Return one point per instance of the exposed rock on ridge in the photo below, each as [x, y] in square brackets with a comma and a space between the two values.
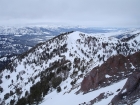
[130, 91]
[117, 67]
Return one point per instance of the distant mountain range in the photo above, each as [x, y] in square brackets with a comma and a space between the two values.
[76, 68]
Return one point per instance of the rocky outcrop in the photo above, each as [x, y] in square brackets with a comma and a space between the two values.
[100, 97]
[114, 69]
[130, 92]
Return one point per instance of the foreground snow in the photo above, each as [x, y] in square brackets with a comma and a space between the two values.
[71, 98]
[137, 103]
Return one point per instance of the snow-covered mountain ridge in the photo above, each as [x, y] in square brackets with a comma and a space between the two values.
[23, 30]
[58, 66]
[57, 29]
[44, 30]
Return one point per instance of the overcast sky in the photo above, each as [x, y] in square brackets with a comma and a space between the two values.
[96, 13]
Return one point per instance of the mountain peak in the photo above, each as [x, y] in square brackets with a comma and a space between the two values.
[60, 66]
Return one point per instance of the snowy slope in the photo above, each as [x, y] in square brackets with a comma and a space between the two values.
[76, 51]
[72, 99]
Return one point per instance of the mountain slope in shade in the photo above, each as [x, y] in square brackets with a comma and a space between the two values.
[57, 68]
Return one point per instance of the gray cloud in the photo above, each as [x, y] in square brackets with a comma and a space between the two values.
[120, 13]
